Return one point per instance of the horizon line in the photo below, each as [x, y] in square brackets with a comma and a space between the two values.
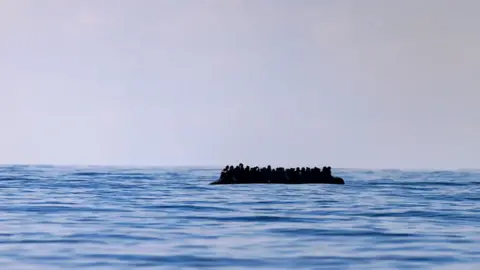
[222, 166]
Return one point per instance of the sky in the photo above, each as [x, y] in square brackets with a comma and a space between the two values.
[341, 83]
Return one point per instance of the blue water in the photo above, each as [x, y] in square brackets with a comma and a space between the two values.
[125, 218]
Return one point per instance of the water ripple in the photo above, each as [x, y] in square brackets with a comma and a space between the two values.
[124, 218]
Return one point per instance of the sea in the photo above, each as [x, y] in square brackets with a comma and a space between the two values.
[170, 218]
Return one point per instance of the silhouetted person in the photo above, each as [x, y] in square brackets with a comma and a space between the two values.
[246, 175]
[269, 174]
[329, 171]
[308, 175]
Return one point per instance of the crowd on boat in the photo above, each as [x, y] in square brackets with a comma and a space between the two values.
[247, 174]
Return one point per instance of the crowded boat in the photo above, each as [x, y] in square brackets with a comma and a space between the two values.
[241, 174]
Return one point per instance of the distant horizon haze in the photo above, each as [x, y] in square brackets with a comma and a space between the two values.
[219, 167]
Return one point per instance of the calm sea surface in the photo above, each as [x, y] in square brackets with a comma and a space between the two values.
[130, 218]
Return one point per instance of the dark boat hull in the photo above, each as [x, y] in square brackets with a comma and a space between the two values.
[332, 180]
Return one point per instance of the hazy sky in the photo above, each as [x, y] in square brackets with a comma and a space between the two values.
[371, 83]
